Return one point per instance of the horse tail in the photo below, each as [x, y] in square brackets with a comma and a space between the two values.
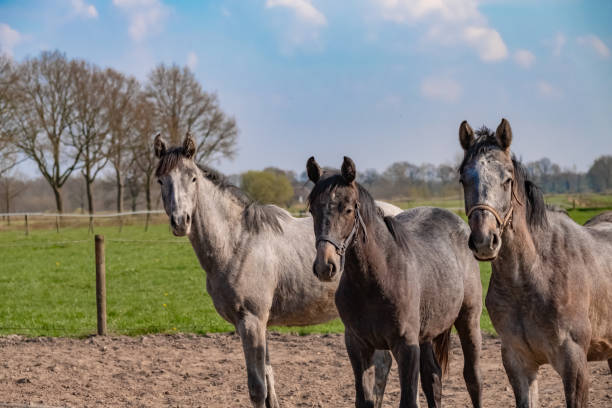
[441, 348]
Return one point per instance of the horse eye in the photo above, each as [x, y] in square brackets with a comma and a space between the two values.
[507, 182]
[194, 180]
[349, 210]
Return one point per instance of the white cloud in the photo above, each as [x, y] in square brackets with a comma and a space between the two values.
[83, 9]
[594, 42]
[524, 58]
[450, 22]
[487, 42]
[558, 44]
[192, 60]
[9, 38]
[146, 16]
[548, 90]
[303, 9]
[441, 89]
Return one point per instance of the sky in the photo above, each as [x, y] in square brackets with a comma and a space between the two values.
[377, 80]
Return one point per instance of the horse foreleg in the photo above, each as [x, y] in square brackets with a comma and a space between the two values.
[382, 365]
[361, 356]
[252, 332]
[271, 400]
[431, 375]
[407, 357]
[610, 365]
[571, 365]
[468, 328]
[522, 376]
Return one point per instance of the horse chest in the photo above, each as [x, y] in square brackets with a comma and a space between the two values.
[525, 323]
[371, 316]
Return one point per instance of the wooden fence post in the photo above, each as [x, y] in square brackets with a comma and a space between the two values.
[27, 225]
[57, 223]
[101, 284]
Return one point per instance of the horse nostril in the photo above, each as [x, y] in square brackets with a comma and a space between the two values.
[332, 268]
[188, 218]
[172, 221]
[471, 243]
[494, 241]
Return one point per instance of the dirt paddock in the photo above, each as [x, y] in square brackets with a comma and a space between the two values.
[208, 371]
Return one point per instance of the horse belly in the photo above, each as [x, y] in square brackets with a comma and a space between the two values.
[305, 307]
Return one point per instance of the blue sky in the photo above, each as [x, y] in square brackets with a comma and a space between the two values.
[377, 80]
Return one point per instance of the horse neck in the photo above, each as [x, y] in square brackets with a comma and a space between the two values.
[366, 261]
[216, 227]
[518, 253]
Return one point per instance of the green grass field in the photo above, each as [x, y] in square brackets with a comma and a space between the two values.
[154, 284]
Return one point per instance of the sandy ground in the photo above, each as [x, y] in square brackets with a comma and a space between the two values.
[208, 371]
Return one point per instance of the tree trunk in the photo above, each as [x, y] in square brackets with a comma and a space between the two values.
[90, 203]
[119, 181]
[8, 202]
[57, 191]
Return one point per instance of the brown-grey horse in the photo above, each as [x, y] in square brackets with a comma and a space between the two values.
[550, 296]
[406, 280]
[257, 258]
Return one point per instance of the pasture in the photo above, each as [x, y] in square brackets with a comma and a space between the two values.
[154, 281]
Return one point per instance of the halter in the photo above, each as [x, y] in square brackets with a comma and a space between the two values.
[503, 222]
[343, 246]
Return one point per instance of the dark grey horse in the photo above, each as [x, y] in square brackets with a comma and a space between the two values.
[406, 280]
[550, 296]
[257, 258]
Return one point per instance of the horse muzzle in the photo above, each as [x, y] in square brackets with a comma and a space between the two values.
[181, 225]
[485, 238]
[327, 263]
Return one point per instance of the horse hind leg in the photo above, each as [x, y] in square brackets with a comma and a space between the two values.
[271, 399]
[431, 376]
[468, 329]
[382, 361]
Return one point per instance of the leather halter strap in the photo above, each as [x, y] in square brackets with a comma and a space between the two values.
[503, 222]
[341, 247]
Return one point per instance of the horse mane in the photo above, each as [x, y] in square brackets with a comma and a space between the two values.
[368, 209]
[534, 199]
[256, 216]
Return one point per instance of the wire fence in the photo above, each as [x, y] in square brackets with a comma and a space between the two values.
[81, 251]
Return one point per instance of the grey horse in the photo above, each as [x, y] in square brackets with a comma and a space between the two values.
[257, 258]
[550, 296]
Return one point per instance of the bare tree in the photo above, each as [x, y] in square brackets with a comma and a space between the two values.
[182, 106]
[90, 125]
[11, 186]
[143, 154]
[42, 111]
[121, 93]
[8, 80]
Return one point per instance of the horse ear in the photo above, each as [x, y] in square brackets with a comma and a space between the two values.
[313, 170]
[348, 169]
[189, 146]
[159, 145]
[503, 134]
[466, 135]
